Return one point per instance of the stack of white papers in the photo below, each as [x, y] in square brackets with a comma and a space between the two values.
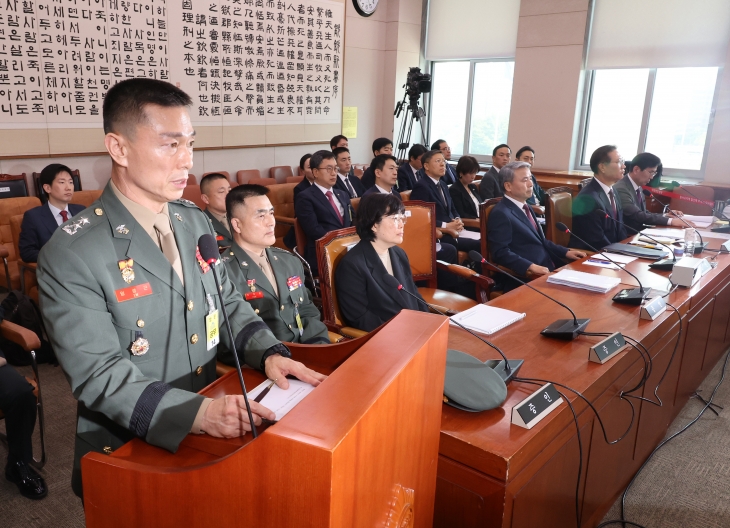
[677, 234]
[470, 234]
[584, 281]
[601, 260]
[700, 221]
[281, 401]
[486, 319]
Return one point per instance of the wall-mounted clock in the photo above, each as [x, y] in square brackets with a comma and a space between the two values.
[365, 7]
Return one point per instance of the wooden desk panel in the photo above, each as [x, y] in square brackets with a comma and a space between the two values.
[492, 473]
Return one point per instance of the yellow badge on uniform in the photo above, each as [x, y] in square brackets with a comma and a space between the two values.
[212, 330]
[125, 266]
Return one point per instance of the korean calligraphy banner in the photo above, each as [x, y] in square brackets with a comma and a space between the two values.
[260, 72]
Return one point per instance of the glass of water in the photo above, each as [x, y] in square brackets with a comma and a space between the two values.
[690, 238]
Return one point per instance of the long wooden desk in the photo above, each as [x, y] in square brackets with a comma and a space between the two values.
[495, 474]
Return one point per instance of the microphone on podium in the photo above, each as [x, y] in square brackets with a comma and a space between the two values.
[208, 247]
[560, 329]
[506, 369]
[664, 264]
[627, 296]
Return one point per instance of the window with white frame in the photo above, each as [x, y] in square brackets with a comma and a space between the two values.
[665, 111]
[470, 104]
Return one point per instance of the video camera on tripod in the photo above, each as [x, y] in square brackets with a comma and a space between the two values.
[417, 83]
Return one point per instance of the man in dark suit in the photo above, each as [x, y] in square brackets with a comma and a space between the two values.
[342, 141]
[213, 191]
[385, 169]
[380, 146]
[322, 208]
[412, 170]
[308, 179]
[629, 192]
[450, 176]
[588, 224]
[350, 184]
[433, 189]
[18, 404]
[527, 154]
[515, 239]
[491, 184]
[40, 222]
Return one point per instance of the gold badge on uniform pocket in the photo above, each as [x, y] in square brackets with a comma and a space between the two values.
[125, 266]
[140, 346]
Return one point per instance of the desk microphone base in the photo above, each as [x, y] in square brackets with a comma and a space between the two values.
[515, 365]
[664, 264]
[633, 296]
[565, 329]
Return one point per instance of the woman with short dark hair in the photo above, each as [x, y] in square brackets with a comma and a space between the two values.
[464, 193]
[365, 298]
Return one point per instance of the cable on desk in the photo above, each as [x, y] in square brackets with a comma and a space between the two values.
[707, 405]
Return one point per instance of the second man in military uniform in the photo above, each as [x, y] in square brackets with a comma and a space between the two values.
[269, 278]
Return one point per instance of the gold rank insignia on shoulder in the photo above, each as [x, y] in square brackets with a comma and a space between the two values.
[177, 215]
[122, 230]
[73, 227]
[125, 266]
[140, 346]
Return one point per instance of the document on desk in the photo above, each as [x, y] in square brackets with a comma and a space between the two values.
[486, 319]
[281, 401]
[601, 260]
[675, 234]
[714, 234]
[700, 221]
[584, 281]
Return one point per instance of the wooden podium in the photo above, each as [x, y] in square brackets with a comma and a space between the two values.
[360, 451]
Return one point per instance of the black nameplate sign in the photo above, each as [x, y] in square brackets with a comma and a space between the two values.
[653, 309]
[606, 349]
[530, 411]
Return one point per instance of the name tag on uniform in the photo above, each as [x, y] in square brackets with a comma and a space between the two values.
[253, 295]
[212, 331]
[133, 292]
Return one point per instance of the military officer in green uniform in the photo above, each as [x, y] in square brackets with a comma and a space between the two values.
[213, 191]
[270, 279]
[128, 302]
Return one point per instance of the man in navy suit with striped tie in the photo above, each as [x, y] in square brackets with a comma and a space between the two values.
[322, 208]
[40, 222]
[515, 239]
[590, 225]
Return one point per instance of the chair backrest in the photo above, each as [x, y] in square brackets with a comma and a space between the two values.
[15, 223]
[330, 249]
[555, 190]
[405, 195]
[354, 202]
[30, 277]
[40, 193]
[282, 198]
[263, 181]
[192, 180]
[584, 182]
[13, 186]
[558, 208]
[419, 240]
[358, 172]
[8, 208]
[485, 208]
[294, 179]
[86, 198]
[192, 193]
[700, 192]
[280, 173]
[243, 176]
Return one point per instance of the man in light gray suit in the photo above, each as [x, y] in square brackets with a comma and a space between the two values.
[629, 191]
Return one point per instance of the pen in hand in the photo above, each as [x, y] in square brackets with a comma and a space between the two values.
[264, 392]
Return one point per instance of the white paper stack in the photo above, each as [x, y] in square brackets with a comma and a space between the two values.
[602, 260]
[486, 319]
[584, 281]
[700, 221]
[676, 234]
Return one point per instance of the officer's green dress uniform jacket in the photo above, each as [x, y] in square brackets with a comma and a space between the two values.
[150, 396]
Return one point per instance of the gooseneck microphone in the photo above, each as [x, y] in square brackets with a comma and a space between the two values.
[209, 251]
[627, 296]
[506, 369]
[702, 246]
[648, 193]
[664, 264]
[560, 329]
